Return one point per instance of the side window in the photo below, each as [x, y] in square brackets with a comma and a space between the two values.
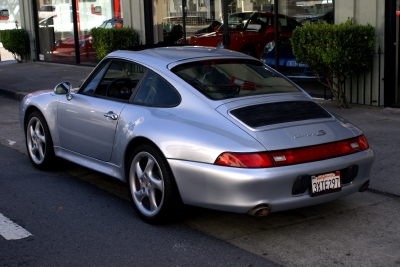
[90, 86]
[283, 24]
[292, 24]
[155, 91]
[115, 79]
[257, 23]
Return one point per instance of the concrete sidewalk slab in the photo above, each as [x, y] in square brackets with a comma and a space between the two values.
[17, 80]
[381, 126]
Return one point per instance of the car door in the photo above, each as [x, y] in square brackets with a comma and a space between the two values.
[87, 122]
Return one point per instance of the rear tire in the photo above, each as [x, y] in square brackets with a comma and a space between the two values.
[249, 51]
[152, 187]
[38, 142]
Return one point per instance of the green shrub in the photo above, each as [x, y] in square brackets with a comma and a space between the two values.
[17, 42]
[105, 41]
[334, 52]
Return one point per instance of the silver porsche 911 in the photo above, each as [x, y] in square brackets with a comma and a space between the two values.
[198, 126]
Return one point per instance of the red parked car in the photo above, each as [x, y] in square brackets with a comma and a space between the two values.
[248, 36]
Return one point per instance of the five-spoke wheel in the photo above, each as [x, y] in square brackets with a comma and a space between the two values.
[38, 141]
[152, 187]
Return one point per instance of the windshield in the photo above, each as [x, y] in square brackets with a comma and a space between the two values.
[111, 23]
[229, 78]
[237, 21]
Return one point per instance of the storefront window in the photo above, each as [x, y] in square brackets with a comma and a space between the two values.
[203, 16]
[57, 28]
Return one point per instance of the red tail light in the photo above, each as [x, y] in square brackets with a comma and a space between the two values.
[243, 160]
[293, 156]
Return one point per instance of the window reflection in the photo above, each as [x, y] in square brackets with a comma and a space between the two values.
[56, 27]
[202, 16]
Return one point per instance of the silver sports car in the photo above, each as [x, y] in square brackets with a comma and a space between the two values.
[199, 126]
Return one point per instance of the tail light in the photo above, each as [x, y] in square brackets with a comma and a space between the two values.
[293, 156]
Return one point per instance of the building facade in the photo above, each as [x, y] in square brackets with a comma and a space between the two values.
[59, 30]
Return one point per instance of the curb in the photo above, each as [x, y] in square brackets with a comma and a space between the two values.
[13, 95]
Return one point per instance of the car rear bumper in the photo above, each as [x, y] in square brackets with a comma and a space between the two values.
[240, 190]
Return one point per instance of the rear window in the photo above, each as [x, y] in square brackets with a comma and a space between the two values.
[222, 79]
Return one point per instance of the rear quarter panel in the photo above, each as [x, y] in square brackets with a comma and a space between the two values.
[192, 131]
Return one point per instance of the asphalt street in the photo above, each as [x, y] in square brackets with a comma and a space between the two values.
[72, 223]
[359, 230]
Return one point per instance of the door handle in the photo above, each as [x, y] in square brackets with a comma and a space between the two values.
[111, 115]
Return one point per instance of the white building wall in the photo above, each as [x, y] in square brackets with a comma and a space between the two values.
[365, 12]
[133, 14]
[15, 11]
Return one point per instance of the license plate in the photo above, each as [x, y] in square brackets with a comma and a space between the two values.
[325, 183]
[295, 64]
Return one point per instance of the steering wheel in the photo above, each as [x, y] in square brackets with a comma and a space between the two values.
[125, 81]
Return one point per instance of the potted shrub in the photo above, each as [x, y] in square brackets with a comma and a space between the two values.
[334, 52]
[105, 41]
[17, 42]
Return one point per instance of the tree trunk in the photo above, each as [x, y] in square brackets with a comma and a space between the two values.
[342, 101]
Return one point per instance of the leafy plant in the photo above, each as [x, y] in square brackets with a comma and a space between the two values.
[17, 42]
[105, 41]
[334, 52]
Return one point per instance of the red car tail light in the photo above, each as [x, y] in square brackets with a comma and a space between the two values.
[245, 160]
[293, 156]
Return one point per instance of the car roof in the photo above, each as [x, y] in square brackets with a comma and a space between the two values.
[177, 54]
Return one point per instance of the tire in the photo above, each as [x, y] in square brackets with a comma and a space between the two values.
[249, 51]
[38, 142]
[152, 187]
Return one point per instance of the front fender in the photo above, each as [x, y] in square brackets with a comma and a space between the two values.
[46, 102]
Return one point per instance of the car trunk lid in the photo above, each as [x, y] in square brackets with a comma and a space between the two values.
[290, 123]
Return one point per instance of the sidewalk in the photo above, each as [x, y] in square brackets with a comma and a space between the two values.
[380, 125]
[6, 57]
[19, 79]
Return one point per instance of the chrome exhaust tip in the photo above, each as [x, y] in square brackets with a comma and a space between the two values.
[260, 210]
[364, 186]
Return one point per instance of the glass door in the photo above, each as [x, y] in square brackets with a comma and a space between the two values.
[64, 27]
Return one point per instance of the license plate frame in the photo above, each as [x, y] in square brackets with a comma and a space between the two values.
[326, 183]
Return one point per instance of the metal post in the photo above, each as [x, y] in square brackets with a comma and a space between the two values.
[390, 52]
[184, 20]
[226, 38]
[75, 7]
[276, 3]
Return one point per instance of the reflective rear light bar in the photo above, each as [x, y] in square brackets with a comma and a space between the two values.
[293, 156]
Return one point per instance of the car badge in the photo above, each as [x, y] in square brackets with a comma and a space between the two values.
[320, 132]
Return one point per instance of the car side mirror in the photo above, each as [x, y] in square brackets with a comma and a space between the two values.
[63, 88]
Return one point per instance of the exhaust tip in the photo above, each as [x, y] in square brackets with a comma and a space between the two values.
[364, 186]
[260, 210]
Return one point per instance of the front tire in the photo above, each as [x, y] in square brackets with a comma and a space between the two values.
[38, 142]
[152, 187]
